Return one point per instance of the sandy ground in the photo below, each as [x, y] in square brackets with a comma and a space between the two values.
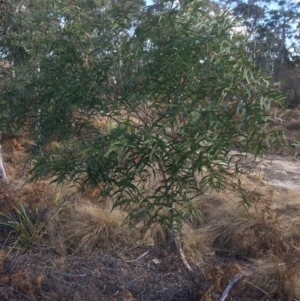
[281, 172]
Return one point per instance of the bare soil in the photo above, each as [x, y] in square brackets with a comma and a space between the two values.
[281, 172]
[98, 276]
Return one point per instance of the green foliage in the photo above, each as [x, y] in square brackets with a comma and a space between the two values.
[178, 85]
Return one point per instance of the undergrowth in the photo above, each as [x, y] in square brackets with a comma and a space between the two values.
[262, 241]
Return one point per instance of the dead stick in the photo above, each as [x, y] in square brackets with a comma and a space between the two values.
[72, 275]
[2, 168]
[141, 256]
[206, 294]
[230, 285]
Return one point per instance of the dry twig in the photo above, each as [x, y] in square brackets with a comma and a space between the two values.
[141, 256]
[230, 285]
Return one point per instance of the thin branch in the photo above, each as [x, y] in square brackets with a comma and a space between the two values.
[206, 294]
[72, 275]
[230, 285]
[141, 256]
[258, 288]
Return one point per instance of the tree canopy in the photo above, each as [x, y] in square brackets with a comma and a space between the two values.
[147, 102]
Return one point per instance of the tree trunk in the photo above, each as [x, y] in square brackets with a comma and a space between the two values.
[179, 249]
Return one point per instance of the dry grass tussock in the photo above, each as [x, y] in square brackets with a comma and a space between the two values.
[288, 217]
[275, 280]
[259, 232]
[267, 212]
[152, 235]
[249, 236]
[194, 246]
[266, 237]
[288, 121]
[83, 224]
[87, 226]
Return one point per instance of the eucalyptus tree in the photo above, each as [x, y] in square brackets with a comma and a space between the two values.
[149, 104]
[11, 53]
[271, 26]
[283, 21]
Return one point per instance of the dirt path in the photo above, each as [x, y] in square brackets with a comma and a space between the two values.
[281, 172]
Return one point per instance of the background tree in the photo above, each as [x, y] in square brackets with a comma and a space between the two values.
[271, 27]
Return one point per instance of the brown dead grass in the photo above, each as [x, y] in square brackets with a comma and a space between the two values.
[266, 236]
[288, 121]
[104, 124]
[250, 236]
[194, 246]
[275, 280]
[155, 234]
[265, 229]
[16, 284]
[264, 279]
[288, 217]
[90, 226]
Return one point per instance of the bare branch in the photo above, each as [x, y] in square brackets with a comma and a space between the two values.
[141, 256]
[230, 285]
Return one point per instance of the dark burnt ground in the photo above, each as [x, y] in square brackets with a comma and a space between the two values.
[157, 276]
[98, 276]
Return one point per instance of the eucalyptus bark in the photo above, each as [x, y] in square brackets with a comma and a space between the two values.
[179, 249]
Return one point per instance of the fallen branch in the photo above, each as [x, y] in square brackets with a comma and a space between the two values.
[2, 168]
[230, 285]
[141, 256]
[72, 275]
[206, 294]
